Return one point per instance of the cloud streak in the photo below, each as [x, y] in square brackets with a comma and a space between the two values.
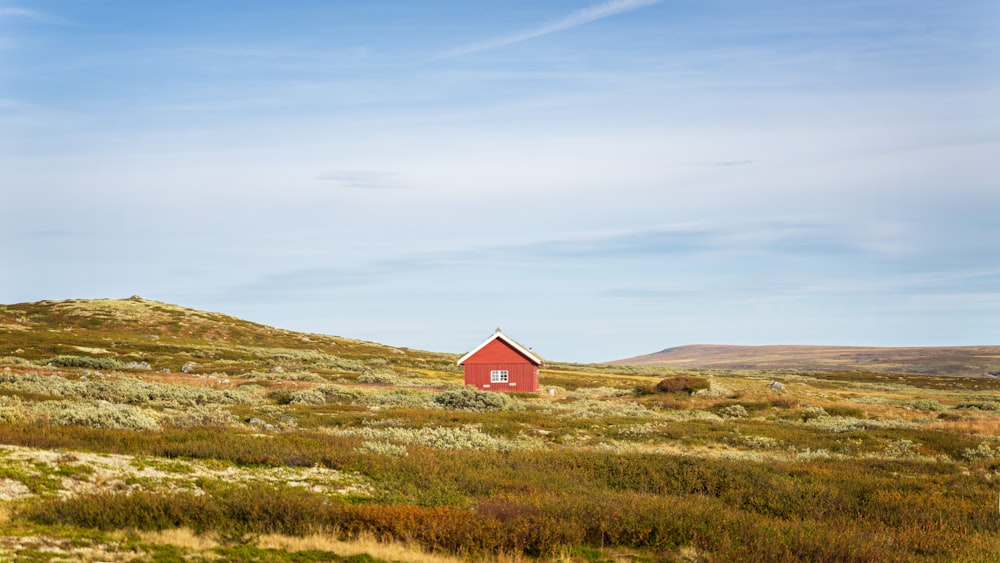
[575, 19]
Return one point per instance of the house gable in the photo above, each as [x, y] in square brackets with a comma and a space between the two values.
[500, 348]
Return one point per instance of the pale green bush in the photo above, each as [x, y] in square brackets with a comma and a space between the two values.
[925, 405]
[640, 430]
[13, 411]
[981, 452]
[401, 398]
[381, 377]
[850, 424]
[470, 399]
[339, 393]
[868, 400]
[128, 391]
[467, 437]
[95, 414]
[599, 392]
[382, 448]
[284, 376]
[307, 397]
[733, 411]
[588, 408]
[901, 449]
[813, 412]
[202, 415]
[758, 442]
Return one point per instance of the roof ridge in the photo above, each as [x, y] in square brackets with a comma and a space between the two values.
[498, 334]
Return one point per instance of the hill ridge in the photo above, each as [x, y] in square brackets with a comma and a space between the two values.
[975, 360]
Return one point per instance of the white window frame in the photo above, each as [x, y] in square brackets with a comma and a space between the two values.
[499, 376]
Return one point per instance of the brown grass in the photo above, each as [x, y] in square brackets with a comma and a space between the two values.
[976, 427]
[366, 543]
[186, 538]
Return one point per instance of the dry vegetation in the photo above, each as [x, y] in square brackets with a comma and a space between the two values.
[139, 431]
[943, 360]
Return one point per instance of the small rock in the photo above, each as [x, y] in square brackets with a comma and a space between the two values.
[277, 369]
[138, 365]
[189, 367]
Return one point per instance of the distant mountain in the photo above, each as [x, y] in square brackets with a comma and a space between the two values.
[956, 360]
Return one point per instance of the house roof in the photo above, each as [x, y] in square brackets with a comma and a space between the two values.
[501, 336]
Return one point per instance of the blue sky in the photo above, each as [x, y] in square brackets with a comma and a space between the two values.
[600, 179]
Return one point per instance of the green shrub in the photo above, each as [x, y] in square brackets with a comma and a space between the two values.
[470, 399]
[846, 411]
[306, 397]
[925, 405]
[983, 451]
[85, 362]
[339, 393]
[401, 399]
[125, 390]
[733, 411]
[201, 415]
[811, 413]
[379, 377]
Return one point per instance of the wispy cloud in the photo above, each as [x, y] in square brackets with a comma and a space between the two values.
[725, 163]
[27, 14]
[362, 179]
[18, 13]
[575, 19]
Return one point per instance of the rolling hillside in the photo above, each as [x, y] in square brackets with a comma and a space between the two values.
[965, 361]
[134, 430]
[162, 337]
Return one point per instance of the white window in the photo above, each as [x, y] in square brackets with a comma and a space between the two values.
[499, 375]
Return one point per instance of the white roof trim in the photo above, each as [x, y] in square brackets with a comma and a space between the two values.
[527, 353]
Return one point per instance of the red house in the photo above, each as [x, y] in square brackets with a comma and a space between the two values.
[500, 364]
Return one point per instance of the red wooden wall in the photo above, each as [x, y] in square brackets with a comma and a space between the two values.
[522, 372]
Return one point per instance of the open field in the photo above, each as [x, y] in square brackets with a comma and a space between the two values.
[139, 431]
[955, 360]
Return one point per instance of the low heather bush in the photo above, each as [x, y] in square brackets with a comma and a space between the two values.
[683, 383]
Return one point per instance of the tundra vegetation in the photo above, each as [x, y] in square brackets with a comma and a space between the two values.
[132, 430]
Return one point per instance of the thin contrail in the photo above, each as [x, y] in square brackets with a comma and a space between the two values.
[577, 18]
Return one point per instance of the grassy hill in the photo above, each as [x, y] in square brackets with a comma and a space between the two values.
[958, 360]
[133, 430]
[167, 336]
